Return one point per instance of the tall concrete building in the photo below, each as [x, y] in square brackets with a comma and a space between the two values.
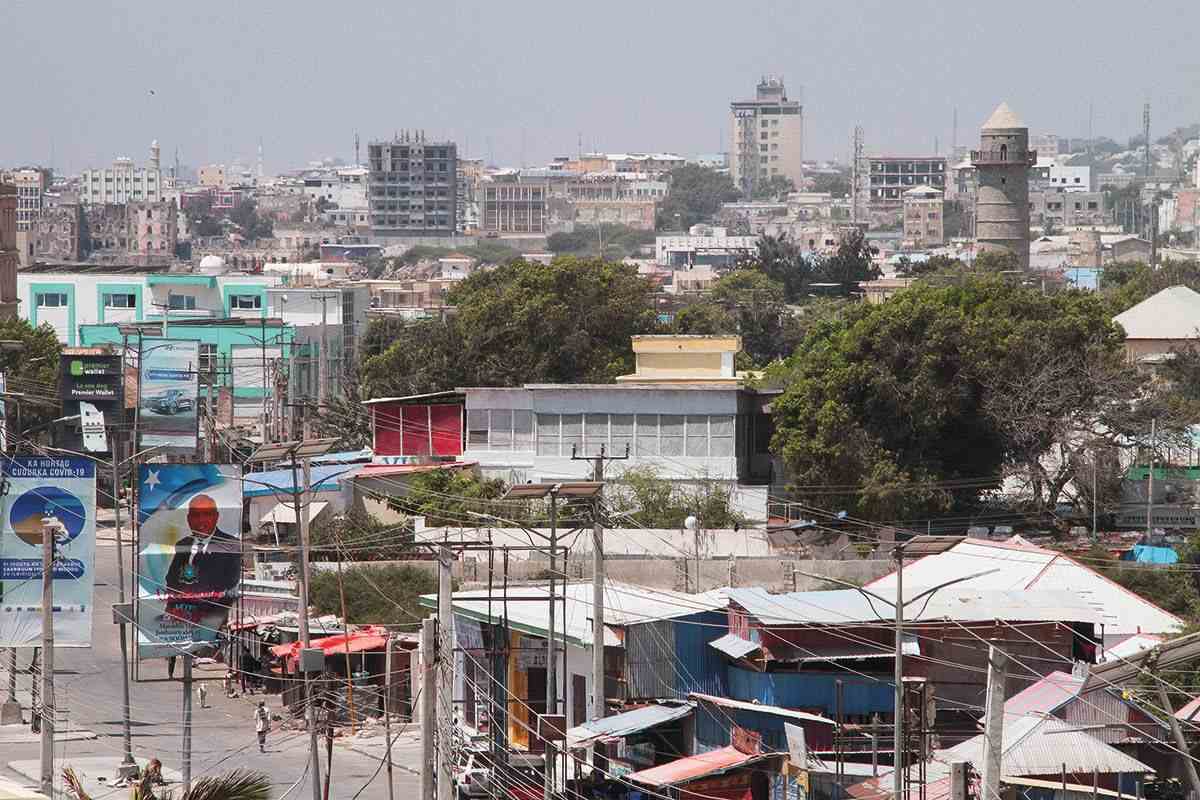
[1002, 165]
[412, 187]
[766, 137]
[123, 182]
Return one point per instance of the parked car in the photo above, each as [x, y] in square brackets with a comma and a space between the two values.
[171, 401]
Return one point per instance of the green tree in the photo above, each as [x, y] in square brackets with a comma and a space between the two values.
[1172, 589]
[695, 195]
[912, 406]
[451, 497]
[567, 322]
[756, 305]
[774, 188]
[650, 501]
[358, 536]
[31, 367]
[252, 224]
[835, 183]
[381, 594]
[781, 259]
[996, 261]
[853, 263]
[1128, 283]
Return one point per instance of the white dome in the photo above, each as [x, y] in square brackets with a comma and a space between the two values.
[212, 263]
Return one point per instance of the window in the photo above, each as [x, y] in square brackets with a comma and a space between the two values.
[646, 435]
[720, 437]
[522, 430]
[120, 300]
[595, 434]
[697, 436]
[181, 302]
[671, 427]
[208, 357]
[547, 434]
[51, 299]
[245, 301]
[477, 429]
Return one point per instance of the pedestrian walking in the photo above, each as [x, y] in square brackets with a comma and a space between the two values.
[202, 690]
[262, 724]
[230, 684]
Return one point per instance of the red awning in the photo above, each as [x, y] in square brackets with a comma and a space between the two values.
[373, 637]
[689, 769]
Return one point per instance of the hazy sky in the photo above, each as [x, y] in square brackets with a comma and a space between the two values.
[521, 80]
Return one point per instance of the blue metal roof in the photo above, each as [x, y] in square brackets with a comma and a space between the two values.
[278, 482]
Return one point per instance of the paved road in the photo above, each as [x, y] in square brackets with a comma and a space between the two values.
[88, 681]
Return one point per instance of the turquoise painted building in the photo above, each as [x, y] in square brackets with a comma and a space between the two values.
[243, 355]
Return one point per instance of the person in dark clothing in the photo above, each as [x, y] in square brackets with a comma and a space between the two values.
[206, 568]
[210, 560]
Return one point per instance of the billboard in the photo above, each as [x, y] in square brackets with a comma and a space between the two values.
[91, 385]
[169, 385]
[63, 490]
[189, 555]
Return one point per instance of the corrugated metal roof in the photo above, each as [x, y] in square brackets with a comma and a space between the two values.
[687, 769]
[953, 602]
[774, 711]
[733, 645]
[628, 722]
[1127, 648]
[1042, 745]
[278, 482]
[624, 604]
[1175, 651]
[1020, 566]
[1045, 696]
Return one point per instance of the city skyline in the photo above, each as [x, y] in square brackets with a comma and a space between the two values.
[212, 84]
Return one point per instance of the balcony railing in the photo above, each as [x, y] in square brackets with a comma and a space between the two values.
[990, 157]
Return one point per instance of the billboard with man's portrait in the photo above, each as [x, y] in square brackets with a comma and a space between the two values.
[189, 556]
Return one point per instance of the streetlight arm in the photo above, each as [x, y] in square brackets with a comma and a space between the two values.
[950, 583]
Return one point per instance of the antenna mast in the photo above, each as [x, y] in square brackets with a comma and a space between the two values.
[856, 176]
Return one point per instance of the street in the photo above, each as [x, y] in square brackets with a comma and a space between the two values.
[88, 690]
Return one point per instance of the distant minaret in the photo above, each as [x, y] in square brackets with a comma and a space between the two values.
[155, 155]
[1002, 165]
[260, 159]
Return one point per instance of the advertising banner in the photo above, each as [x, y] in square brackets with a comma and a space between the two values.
[170, 384]
[63, 491]
[189, 556]
[93, 388]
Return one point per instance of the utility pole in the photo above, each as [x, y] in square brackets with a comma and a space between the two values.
[898, 747]
[1177, 734]
[445, 678]
[551, 679]
[1150, 479]
[310, 713]
[346, 620]
[187, 722]
[428, 708]
[599, 698]
[387, 713]
[323, 356]
[128, 767]
[47, 711]
[993, 722]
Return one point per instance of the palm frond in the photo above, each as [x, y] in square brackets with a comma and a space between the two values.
[73, 784]
[240, 784]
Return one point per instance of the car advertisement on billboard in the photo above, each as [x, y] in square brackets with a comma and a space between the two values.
[58, 494]
[189, 556]
[169, 388]
[91, 384]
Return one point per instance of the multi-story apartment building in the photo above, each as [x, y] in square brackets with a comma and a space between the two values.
[1049, 173]
[470, 174]
[123, 182]
[32, 183]
[412, 187]
[891, 176]
[8, 250]
[153, 227]
[767, 137]
[1066, 209]
[923, 211]
[515, 203]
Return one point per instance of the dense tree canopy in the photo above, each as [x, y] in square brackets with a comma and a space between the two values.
[919, 404]
[695, 195]
[32, 369]
[570, 321]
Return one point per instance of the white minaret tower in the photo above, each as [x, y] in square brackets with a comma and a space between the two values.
[260, 159]
[155, 154]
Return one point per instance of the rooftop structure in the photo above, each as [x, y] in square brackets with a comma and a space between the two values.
[767, 137]
[1002, 165]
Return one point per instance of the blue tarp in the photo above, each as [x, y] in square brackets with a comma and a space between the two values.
[1146, 554]
[279, 481]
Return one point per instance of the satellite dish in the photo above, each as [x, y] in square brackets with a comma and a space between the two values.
[691, 522]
